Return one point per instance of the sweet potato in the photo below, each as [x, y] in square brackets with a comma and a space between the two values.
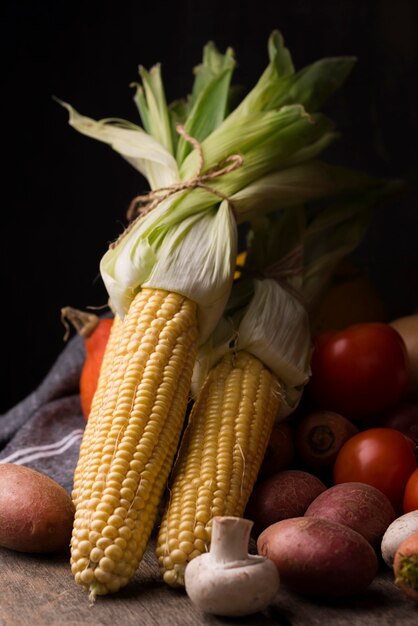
[356, 505]
[280, 496]
[316, 557]
[36, 513]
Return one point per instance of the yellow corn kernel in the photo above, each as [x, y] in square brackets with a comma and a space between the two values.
[241, 257]
[136, 429]
[219, 458]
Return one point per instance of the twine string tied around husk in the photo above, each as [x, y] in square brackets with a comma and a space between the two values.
[144, 203]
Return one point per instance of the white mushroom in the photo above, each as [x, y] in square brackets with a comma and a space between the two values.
[227, 580]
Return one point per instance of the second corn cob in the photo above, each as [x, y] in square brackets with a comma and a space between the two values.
[219, 458]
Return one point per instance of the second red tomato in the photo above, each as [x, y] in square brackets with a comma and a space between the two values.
[359, 371]
[381, 457]
[410, 500]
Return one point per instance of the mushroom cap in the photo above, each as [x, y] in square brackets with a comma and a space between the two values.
[231, 589]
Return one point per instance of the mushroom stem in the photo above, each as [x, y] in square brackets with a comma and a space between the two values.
[230, 537]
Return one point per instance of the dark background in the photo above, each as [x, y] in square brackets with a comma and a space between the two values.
[64, 196]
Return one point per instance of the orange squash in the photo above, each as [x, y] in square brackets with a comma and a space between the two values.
[350, 299]
[96, 333]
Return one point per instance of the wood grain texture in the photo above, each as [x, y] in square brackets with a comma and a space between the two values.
[40, 591]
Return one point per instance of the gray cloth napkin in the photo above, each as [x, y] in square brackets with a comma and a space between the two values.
[44, 430]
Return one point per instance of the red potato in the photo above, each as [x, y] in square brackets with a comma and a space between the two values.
[405, 566]
[316, 557]
[361, 507]
[319, 437]
[36, 513]
[283, 495]
[280, 450]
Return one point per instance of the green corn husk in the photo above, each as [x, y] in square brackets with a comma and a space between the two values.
[188, 242]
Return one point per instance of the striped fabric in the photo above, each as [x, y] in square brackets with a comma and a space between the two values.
[23, 456]
[44, 430]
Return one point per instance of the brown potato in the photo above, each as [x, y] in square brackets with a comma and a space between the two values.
[280, 496]
[280, 450]
[36, 513]
[316, 557]
[357, 505]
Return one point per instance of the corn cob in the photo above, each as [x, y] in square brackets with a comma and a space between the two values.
[128, 449]
[219, 458]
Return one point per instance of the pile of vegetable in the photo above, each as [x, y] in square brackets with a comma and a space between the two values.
[257, 442]
[298, 433]
[366, 456]
[242, 347]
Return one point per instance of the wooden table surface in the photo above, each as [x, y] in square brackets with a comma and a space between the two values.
[40, 591]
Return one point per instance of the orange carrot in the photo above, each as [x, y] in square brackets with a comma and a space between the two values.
[405, 566]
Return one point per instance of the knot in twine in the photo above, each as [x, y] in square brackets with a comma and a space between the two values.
[282, 271]
[144, 203]
[289, 266]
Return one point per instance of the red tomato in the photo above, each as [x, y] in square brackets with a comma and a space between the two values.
[359, 371]
[410, 499]
[381, 457]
